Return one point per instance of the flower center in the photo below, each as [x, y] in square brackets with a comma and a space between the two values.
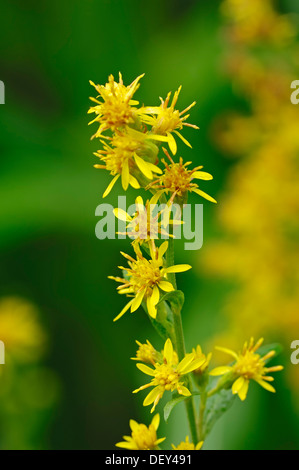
[167, 376]
[146, 274]
[249, 365]
[176, 178]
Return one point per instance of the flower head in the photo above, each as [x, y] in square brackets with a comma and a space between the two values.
[147, 353]
[166, 119]
[115, 111]
[186, 445]
[127, 155]
[144, 225]
[146, 278]
[249, 365]
[142, 437]
[20, 331]
[168, 375]
[198, 354]
[177, 179]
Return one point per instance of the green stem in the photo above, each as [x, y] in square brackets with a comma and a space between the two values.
[202, 407]
[180, 344]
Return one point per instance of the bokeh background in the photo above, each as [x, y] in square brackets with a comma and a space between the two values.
[68, 379]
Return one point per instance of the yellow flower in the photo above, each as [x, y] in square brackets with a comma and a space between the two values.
[145, 278]
[198, 354]
[167, 376]
[142, 437]
[147, 353]
[165, 120]
[144, 225]
[20, 331]
[248, 366]
[116, 109]
[127, 156]
[178, 180]
[186, 445]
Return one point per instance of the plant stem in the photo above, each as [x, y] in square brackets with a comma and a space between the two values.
[202, 407]
[180, 345]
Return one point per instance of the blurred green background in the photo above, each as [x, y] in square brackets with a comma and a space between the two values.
[49, 191]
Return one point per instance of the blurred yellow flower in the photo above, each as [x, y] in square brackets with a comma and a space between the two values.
[142, 437]
[248, 366]
[20, 331]
[167, 376]
[145, 278]
[186, 445]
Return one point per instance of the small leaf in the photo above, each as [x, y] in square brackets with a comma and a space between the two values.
[216, 406]
[175, 401]
[176, 299]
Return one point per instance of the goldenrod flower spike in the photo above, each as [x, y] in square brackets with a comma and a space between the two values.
[116, 109]
[142, 437]
[178, 180]
[248, 366]
[124, 157]
[165, 120]
[187, 445]
[145, 278]
[168, 376]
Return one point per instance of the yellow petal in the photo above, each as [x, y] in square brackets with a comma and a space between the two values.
[237, 385]
[202, 194]
[146, 370]
[125, 175]
[122, 215]
[172, 143]
[151, 397]
[227, 351]
[143, 167]
[266, 386]
[202, 175]
[137, 301]
[156, 421]
[124, 310]
[178, 268]
[243, 391]
[183, 139]
[166, 286]
[162, 249]
[184, 391]
[110, 186]
[133, 182]
[220, 371]
[152, 311]
[168, 351]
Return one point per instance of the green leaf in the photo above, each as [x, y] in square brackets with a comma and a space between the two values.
[216, 406]
[175, 401]
[176, 299]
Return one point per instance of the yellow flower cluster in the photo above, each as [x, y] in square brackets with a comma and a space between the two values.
[259, 214]
[129, 146]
